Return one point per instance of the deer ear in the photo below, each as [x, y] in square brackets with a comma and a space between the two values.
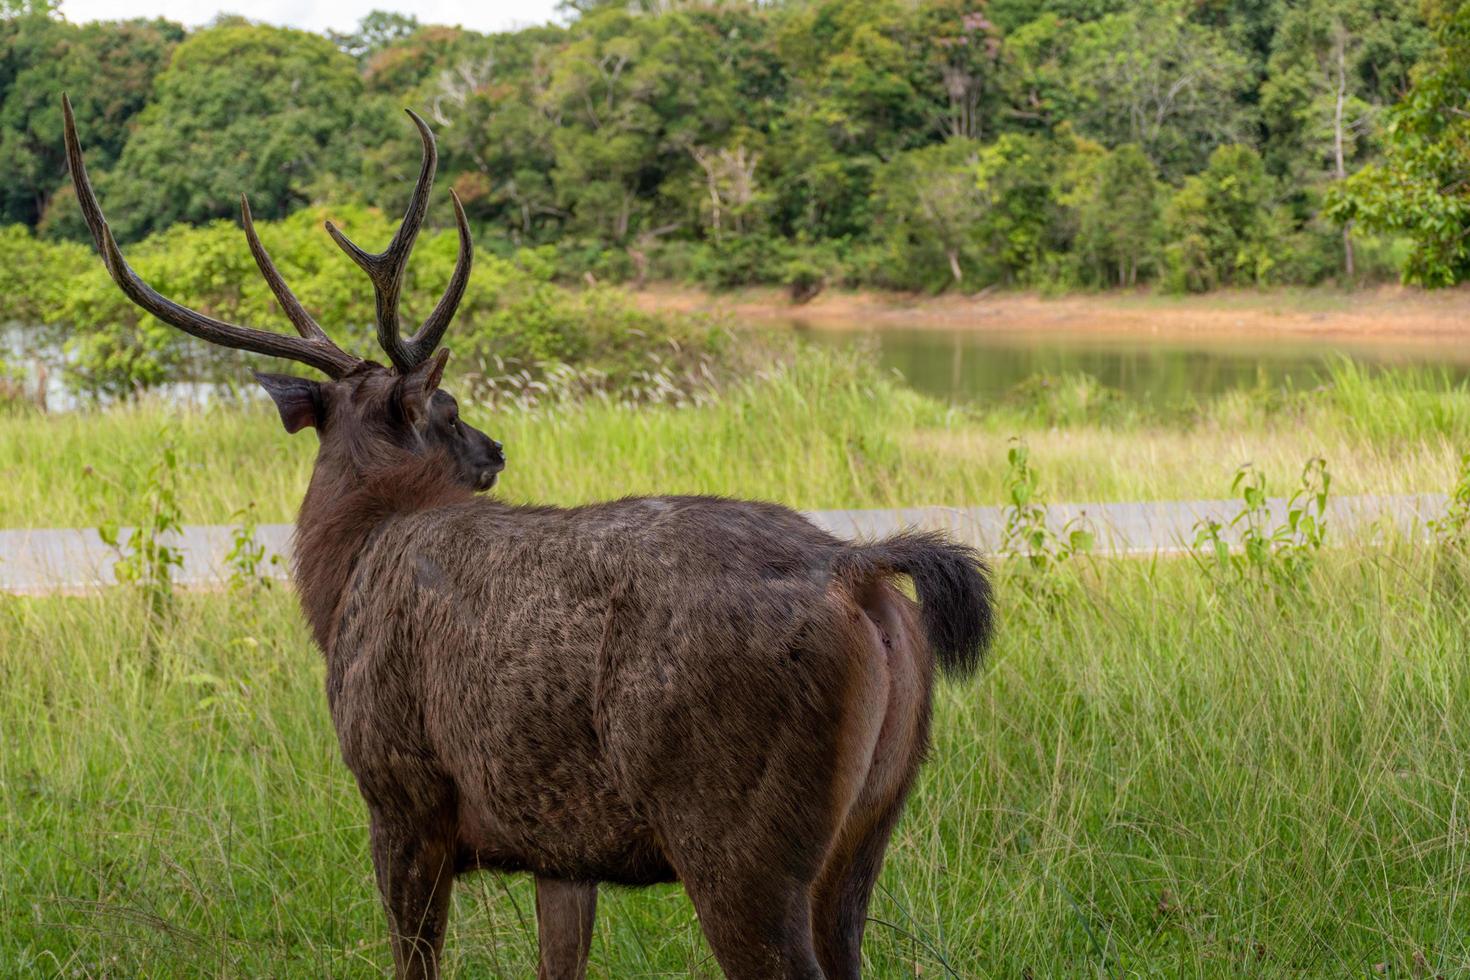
[418, 386]
[299, 400]
[433, 370]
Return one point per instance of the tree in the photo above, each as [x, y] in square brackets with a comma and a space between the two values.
[1422, 187]
[1024, 179]
[1248, 26]
[857, 98]
[628, 97]
[485, 98]
[1119, 216]
[730, 180]
[17, 9]
[108, 68]
[241, 107]
[1336, 62]
[1037, 85]
[1151, 77]
[378, 30]
[1012, 15]
[734, 141]
[1218, 225]
[962, 48]
[929, 205]
[404, 65]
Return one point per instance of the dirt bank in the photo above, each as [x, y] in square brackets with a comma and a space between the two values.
[1388, 313]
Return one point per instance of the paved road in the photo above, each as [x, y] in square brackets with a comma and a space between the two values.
[76, 560]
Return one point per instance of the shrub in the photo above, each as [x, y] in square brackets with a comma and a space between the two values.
[740, 260]
[512, 313]
[1069, 399]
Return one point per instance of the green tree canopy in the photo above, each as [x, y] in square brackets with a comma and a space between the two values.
[1217, 224]
[930, 206]
[1335, 65]
[818, 141]
[1152, 77]
[108, 69]
[1422, 187]
[240, 108]
[1119, 216]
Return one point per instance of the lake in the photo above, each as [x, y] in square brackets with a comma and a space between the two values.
[960, 364]
[968, 365]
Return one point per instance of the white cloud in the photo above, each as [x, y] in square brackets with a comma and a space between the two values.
[319, 15]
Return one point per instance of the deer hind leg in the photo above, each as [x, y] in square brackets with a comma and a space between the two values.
[415, 872]
[564, 916]
[840, 897]
[758, 924]
[753, 889]
[844, 888]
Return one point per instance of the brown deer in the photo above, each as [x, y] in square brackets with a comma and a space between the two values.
[689, 689]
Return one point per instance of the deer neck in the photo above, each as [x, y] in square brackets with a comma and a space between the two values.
[344, 506]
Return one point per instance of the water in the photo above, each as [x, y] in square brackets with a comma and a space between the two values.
[45, 380]
[970, 365]
[983, 365]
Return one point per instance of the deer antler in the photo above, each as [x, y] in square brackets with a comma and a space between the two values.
[312, 347]
[386, 268]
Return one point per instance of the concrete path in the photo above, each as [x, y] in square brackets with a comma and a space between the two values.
[76, 560]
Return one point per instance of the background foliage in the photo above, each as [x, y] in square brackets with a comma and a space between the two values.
[946, 144]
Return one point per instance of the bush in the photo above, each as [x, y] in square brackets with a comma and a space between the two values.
[35, 275]
[811, 268]
[513, 319]
[736, 260]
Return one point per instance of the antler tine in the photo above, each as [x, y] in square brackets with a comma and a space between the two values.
[295, 312]
[421, 345]
[386, 268]
[318, 352]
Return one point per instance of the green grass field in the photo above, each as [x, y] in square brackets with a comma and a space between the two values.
[1162, 771]
[1156, 776]
[824, 431]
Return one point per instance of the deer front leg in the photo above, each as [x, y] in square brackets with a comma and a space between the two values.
[564, 914]
[415, 870]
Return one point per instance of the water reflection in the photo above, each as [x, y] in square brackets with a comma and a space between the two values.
[979, 365]
[967, 365]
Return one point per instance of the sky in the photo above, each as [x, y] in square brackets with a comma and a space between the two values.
[320, 15]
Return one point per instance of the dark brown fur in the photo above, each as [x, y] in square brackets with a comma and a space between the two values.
[657, 689]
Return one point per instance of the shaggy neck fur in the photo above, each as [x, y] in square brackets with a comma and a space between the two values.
[349, 497]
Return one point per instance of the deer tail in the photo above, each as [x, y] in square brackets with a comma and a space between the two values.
[956, 607]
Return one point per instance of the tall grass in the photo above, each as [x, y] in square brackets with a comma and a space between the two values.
[1162, 773]
[1393, 406]
[822, 431]
[1159, 776]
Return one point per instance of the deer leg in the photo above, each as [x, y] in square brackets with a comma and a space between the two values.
[845, 884]
[759, 928]
[415, 871]
[564, 914]
[840, 898]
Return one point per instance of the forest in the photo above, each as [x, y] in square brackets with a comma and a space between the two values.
[943, 144]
